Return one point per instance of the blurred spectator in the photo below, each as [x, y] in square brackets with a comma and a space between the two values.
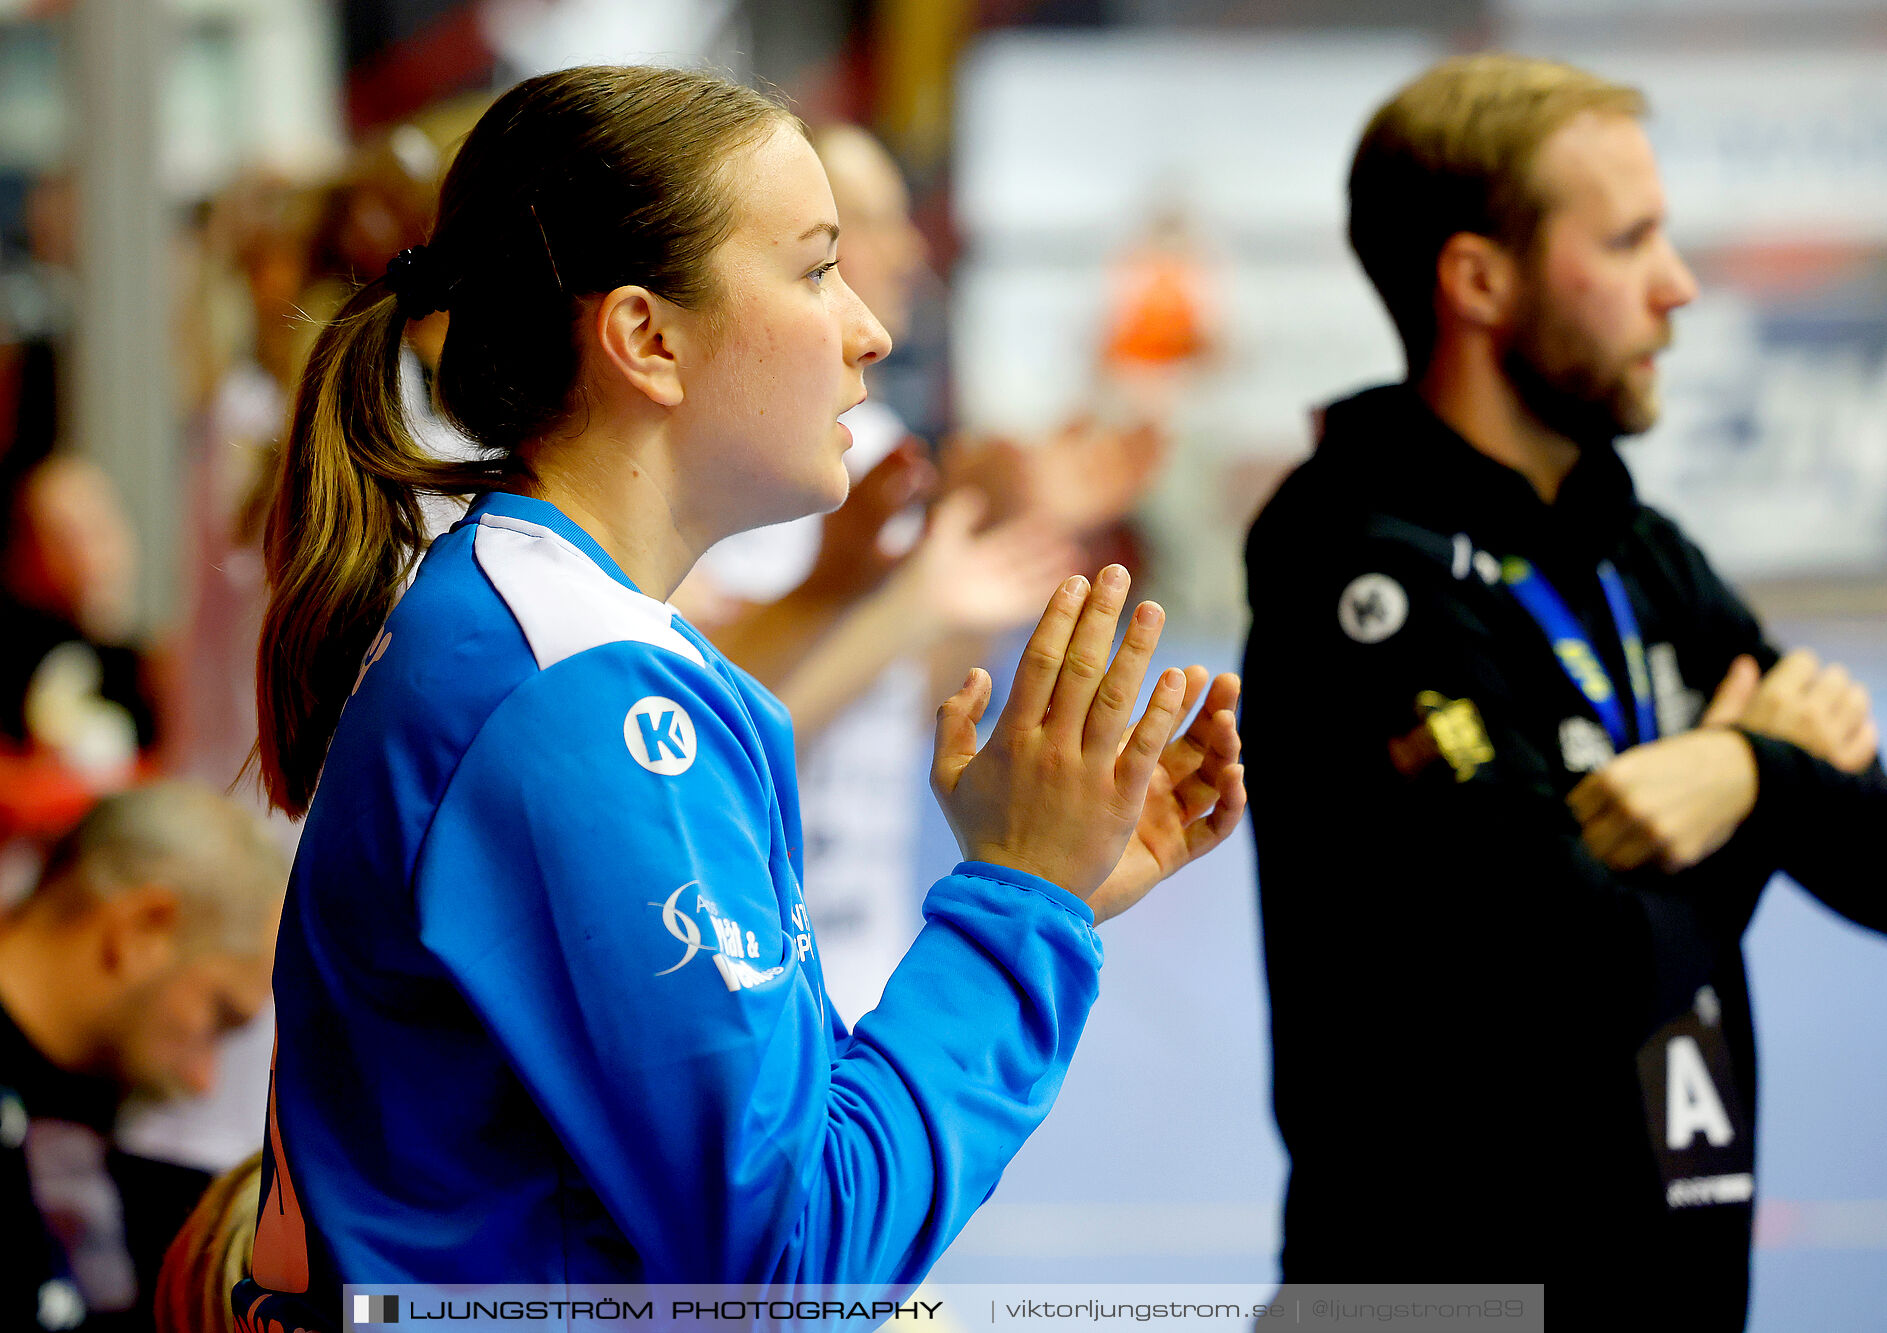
[211, 1254]
[148, 936]
[76, 705]
[256, 240]
[883, 254]
[35, 313]
[29, 398]
[382, 204]
[69, 549]
[295, 251]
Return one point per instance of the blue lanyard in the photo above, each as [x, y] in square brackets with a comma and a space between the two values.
[1576, 656]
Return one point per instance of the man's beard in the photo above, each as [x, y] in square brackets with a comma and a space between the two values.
[1570, 394]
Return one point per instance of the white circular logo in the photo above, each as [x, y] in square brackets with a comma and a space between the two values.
[1372, 608]
[660, 735]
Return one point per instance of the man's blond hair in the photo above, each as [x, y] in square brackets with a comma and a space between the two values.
[1453, 152]
[214, 854]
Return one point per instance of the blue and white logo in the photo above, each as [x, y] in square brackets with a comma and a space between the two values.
[731, 946]
[681, 925]
[660, 735]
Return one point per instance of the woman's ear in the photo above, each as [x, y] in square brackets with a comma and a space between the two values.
[638, 332]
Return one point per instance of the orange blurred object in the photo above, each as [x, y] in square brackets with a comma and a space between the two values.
[1161, 319]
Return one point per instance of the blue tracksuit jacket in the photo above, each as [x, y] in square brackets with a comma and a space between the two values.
[549, 1006]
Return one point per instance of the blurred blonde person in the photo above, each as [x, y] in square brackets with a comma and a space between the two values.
[211, 1254]
[79, 706]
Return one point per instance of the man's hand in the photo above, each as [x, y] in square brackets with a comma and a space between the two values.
[1819, 708]
[1670, 803]
[1674, 802]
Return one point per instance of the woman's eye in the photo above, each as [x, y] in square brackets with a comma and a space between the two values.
[818, 275]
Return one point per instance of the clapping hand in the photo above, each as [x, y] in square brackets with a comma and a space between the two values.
[1069, 786]
[1077, 479]
[963, 578]
[854, 556]
[1193, 802]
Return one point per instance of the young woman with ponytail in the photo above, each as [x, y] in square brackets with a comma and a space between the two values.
[548, 1008]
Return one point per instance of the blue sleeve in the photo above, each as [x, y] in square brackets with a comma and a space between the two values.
[629, 928]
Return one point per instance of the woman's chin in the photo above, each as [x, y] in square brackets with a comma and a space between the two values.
[836, 495]
[821, 497]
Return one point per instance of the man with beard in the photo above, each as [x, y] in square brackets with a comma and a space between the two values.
[1512, 1035]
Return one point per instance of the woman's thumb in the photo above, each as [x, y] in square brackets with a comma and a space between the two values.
[956, 730]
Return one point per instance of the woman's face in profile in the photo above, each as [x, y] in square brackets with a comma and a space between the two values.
[785, 347]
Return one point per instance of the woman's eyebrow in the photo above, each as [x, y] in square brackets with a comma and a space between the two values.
[831, 229]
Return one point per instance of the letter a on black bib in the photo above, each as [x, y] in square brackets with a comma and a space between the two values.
[1698, 1129]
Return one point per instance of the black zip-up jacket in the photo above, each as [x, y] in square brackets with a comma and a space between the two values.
[1460, 993]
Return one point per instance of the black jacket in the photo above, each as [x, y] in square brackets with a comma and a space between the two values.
[142, 1202]
[1459, 991]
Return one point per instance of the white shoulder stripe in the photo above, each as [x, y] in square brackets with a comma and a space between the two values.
[565, 603]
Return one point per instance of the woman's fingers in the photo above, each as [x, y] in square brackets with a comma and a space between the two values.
[1208, 730]
[1134, 768]
[1112, 709]
[1196, 763]
[1224, 696]
[1196, 678]
[1042, 657]
[1202, 835]
[1216, 727]
[1085, 661]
